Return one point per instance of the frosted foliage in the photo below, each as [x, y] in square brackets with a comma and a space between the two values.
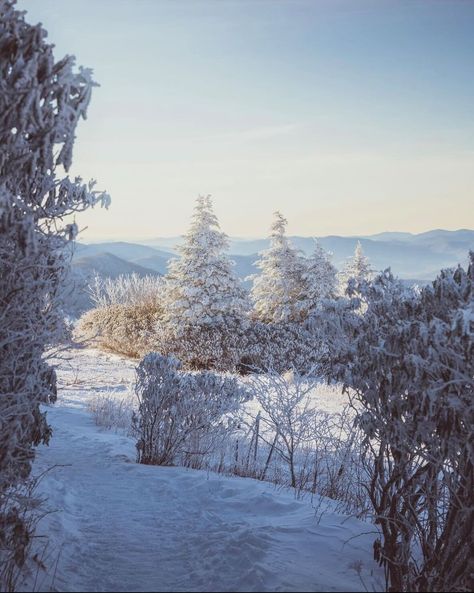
[128, 290]
[216, 346]
[409, 362]
[278, 291]
[128, 309]
[201, 287]
[240, 345]
[41, 102]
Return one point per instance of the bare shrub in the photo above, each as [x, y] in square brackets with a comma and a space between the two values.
[320, 450]
[112, 411]
[286, 402]
[128, 310]
[125, 329]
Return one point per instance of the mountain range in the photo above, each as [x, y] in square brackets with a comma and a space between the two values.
[415, 258]
[418, 256]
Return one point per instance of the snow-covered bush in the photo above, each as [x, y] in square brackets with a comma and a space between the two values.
[410, 367]
[239, 345]
[41, 102]
[181, 414]
[334, 326]
[281, 347]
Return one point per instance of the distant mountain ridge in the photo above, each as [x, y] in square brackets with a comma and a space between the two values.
[412, 257]
[91, 260]
[418, 256]
[108, 264]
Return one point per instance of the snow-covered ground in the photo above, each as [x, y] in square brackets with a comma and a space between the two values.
[122, 526]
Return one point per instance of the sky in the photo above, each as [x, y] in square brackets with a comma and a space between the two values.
[351, 117]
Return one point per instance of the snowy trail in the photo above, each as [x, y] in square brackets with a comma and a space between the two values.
[125, 527]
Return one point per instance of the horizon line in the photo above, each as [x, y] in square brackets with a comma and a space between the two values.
[122, 239]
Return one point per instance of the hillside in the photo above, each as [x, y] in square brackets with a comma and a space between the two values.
[89, 261]
[107, 264]
[120, 249]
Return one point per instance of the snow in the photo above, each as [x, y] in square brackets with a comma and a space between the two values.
[122, 526]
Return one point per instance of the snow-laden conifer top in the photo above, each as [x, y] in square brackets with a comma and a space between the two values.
[201, 285]
[278, 291]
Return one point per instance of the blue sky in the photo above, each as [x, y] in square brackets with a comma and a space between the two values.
[350, 116]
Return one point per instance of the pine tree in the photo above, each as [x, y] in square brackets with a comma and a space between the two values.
[278, 292]
[357, 268]
[201, 287]
[320, 279]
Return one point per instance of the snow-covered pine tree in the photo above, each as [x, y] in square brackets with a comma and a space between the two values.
[204, 304]
[201, 286]
[41, 102]
[278, 291]
[357, 268]
[320, 279]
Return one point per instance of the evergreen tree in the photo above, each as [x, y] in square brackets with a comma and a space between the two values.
[320, 279]
[357, 268]
[201, 287]
[278, 292]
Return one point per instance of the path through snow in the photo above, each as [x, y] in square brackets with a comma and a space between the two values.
[120, 526]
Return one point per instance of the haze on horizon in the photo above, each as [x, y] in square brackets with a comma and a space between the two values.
[351, 118]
